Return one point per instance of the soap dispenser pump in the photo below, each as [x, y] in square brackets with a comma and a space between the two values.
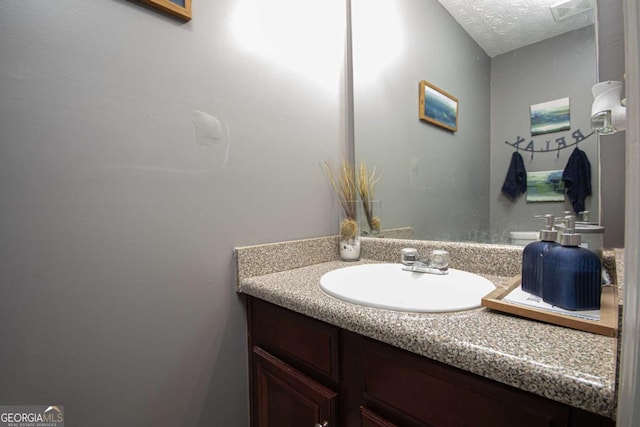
[533, 255]
[572, 275]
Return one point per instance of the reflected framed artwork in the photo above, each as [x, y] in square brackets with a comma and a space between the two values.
[438, 107]
[179, 8]
[551, 116]
[545, 186]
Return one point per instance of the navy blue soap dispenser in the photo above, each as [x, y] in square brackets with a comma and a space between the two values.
[533, 255]
[572, 275]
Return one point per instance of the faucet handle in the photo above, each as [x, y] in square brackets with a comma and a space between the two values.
[439, 259]
[408, 256]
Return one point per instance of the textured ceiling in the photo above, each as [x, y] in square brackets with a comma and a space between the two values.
[500, 26]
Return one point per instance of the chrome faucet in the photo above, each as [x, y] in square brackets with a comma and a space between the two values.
[437, 264]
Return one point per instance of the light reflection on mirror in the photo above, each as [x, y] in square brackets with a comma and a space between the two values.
[266, 29]
[381, 27]
[447, 185]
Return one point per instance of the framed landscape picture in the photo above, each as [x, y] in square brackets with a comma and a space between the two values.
[179, 8]
[438, 107]
[551, 116]
[545, 186]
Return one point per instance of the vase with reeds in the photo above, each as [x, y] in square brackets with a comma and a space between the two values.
[350, 231]
[342, 180]
[367, 180]
[370, 218]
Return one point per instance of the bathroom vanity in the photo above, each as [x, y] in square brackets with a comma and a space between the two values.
[305, 372]
[315, 359]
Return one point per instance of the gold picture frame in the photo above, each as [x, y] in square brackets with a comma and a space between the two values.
[179, 8]
[438, 107]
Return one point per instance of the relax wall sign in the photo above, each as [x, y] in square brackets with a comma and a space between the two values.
[560, 143]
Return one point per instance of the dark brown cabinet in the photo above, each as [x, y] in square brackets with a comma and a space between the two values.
[305, 372]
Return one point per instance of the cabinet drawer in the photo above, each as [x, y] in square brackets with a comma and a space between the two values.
[303, 342]
[420, 390]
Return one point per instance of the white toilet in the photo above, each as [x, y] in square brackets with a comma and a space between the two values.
[523, 238]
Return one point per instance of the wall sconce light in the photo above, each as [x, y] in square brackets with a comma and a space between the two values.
[608, 111]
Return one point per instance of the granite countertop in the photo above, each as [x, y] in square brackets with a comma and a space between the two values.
[569, 366]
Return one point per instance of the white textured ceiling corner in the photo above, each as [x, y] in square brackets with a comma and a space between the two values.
[500, 26]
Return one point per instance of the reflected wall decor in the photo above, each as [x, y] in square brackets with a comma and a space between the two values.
[438, 107]
[545, 186]
[179, 8]
[551, 116]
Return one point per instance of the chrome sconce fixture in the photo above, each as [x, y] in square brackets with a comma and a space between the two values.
[608, 111]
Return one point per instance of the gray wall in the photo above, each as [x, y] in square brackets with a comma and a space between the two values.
[612, 148]
[120, 217]
[434, 180]
[564, 66]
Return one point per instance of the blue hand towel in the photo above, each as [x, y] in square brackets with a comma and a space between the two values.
[516, 181]
[577, 179]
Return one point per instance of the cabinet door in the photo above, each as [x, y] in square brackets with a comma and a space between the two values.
[307, 344]
[283, 397]
[424, 392]
[370, 419]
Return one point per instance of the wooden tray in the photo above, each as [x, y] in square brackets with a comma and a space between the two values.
[607, 325]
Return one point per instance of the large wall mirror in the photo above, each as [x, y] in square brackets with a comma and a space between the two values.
[447, 185]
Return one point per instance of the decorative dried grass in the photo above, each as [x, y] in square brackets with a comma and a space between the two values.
[366, 186]
[342, 180]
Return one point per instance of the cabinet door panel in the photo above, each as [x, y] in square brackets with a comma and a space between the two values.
[438, 395]
[370, 419]
[298, 339]
[286, 398]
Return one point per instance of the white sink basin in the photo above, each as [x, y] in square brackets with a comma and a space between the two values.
[388, 286]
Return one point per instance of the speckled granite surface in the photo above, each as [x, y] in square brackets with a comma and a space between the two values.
[273, 257]
[616, 257]
[569, 366]
[397, 233]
